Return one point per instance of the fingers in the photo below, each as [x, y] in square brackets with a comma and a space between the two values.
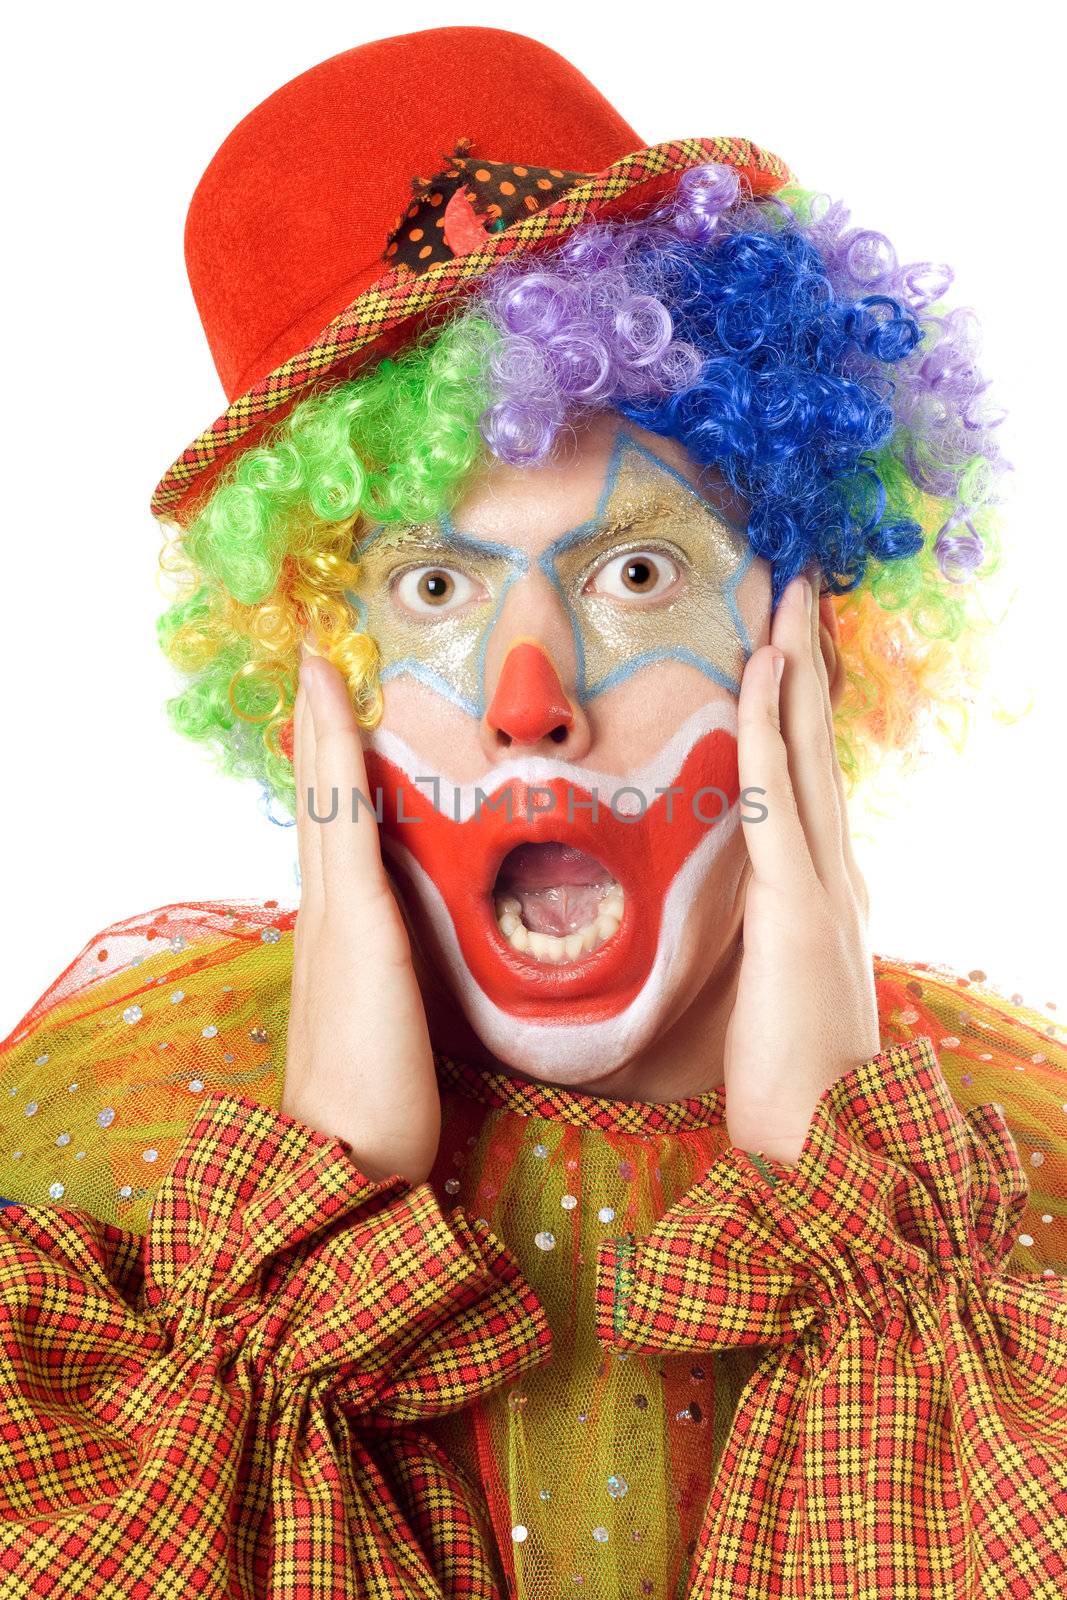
[859, 888]
[296, 1049]
[808, 734]
[348, 849]
[776, 842]
[308, 837]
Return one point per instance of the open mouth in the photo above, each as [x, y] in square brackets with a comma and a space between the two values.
[556, 903]
[523, 903]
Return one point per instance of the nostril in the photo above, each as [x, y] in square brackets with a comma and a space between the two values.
[529, 703]
[503, 739]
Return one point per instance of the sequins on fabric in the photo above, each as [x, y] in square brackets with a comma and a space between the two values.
[603, 1460]
[595, 1465]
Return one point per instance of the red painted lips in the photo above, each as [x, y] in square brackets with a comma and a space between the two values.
[643, 851]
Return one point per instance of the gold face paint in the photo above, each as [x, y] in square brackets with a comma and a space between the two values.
[652, 576]
[441, 640]
[685, 609]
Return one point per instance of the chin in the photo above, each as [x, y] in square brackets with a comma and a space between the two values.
[554, 899]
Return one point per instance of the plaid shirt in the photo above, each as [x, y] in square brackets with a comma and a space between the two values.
[242, 1400]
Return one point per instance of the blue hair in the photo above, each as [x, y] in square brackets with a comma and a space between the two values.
[779, 407]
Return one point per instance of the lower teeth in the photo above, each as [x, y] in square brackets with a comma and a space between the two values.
[552, 948]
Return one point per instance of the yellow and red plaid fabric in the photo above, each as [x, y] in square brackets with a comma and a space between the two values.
[906, 1434]
[253, 1372]
[226, 1406]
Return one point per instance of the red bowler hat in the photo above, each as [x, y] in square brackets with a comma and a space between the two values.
[349, 208]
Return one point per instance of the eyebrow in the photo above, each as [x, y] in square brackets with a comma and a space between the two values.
[625, 520]
[443, 535]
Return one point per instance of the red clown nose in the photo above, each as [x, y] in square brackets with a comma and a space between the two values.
[529, 701]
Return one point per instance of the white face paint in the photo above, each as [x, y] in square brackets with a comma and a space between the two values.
[558, 754]
[554, 1035]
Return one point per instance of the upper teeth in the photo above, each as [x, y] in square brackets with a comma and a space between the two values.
[552, 947]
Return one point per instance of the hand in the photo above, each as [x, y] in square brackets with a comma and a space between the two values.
[805, 1011]
[359, 1063]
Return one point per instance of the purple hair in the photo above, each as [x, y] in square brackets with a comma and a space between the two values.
[793, 352]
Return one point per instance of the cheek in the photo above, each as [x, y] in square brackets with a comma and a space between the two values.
[718, 895]
[440, 733]
[754, 602]
[712, 921]
[634, 721]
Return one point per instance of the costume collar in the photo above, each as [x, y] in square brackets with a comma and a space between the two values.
[555, 1103]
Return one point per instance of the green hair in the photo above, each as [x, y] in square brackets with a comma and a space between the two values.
[267, 560]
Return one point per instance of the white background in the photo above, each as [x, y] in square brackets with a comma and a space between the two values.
[941, 132]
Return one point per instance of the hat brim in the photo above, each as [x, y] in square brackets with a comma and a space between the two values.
[392, 311]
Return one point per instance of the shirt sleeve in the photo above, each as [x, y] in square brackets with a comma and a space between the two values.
[229, 1404]
[906, 1433]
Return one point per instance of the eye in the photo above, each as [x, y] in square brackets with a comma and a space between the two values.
[425, 590]
[637, 575]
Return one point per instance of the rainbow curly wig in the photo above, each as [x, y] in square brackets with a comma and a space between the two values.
[828, 384]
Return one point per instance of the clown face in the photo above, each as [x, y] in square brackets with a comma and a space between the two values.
[557, 759]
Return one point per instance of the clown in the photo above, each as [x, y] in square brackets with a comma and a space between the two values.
[563, 1199]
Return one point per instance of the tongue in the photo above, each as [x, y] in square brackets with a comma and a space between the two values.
[562, 909]
[558, 887]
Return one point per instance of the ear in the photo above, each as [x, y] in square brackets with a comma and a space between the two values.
[830, 643]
